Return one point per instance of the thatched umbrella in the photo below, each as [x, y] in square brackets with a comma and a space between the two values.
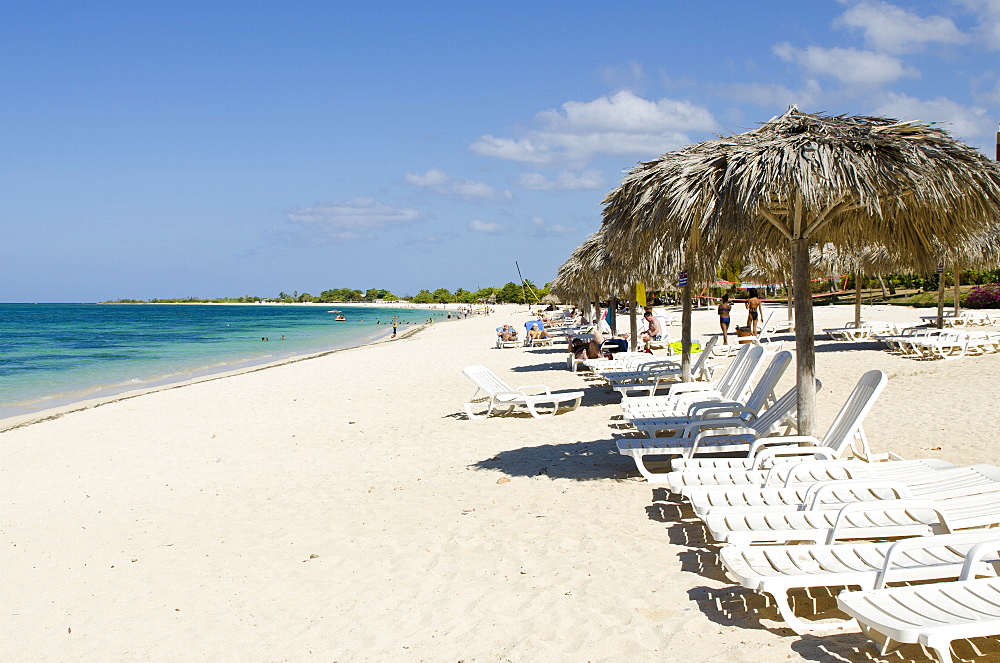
[828, 260]
[801, 180]
[592, 271]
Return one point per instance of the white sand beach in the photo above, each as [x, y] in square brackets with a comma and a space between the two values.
[343, 509]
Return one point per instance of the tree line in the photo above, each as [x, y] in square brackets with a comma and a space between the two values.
[508, 293]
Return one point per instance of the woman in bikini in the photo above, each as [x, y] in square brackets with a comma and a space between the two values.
[724, 308]
[753, 311]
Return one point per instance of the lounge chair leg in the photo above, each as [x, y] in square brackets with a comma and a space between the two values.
[541, 415]
[468, 411]
[882, 642]
[651, 477]
[787, 611]
[941, 647]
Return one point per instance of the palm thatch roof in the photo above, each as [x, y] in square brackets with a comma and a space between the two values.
[905, 183]
[592, 270]
[826, 260]
[801, 180]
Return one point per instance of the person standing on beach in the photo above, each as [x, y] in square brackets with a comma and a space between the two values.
[395, 322]
[753, 311]
[724, 308]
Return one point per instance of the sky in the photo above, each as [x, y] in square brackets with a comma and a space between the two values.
[219, 148]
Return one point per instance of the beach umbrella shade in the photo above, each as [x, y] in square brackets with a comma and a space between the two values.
[828, 261]
[801, 180]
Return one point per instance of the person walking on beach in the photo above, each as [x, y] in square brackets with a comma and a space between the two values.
[753, 311]
[724, 308]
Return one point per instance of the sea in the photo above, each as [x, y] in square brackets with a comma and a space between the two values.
[58, 354]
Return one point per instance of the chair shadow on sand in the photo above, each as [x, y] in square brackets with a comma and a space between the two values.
[580, 461]
[536, 368]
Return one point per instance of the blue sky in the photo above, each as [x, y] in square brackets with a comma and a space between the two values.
[220, 148]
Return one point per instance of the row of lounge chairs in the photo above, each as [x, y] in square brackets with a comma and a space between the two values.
[964, 319]
[866, 330]
[795, 514]
[925, 343]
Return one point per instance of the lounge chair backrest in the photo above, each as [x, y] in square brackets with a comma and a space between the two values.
[725, 382]
[706, 352]
[763, 332]
[846, 427]
[782, 410]
[486, 380]
[764, 391]
[739, 383]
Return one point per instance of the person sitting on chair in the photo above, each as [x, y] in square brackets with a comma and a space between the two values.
[655, 330]
[507, 333]
[537, 331]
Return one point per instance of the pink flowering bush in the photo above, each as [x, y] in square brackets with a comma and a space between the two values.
[984, 296]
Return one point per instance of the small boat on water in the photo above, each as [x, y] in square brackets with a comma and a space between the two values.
[340, 318]
[334, 310]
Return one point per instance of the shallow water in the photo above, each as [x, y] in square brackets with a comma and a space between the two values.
[55, 354]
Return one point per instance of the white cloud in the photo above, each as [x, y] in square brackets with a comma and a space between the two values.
[432, 177]
[542, 229]
[358, 219]
[440, 182]
[847, 65]
[971, 124]
[987, 13]
[513, 150]
[564, 181]
[892, 29]
[485, 227]
[620, 124]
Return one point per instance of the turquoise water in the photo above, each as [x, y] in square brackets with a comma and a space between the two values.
[55, 354]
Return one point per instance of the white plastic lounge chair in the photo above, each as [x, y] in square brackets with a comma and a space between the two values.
[845, 432]
[728, 386]
[775, 570]
[736, 413]
[709, 440]
[868, 329]
[622, 361]
[498, 394]
[951, 345]
[734, 385]
[649, 375]
[763, 337]
[932, 615]
[501, 344]
[797, 486]
[882, 519]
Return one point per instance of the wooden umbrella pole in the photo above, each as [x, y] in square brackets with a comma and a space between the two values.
[788, 295]
[805, 349]
[633, 325]
[686, 331]
[613, 312]
[956, 274]
[940, 316]
[857, 300]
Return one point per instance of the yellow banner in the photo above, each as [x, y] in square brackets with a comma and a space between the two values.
[640, 293]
